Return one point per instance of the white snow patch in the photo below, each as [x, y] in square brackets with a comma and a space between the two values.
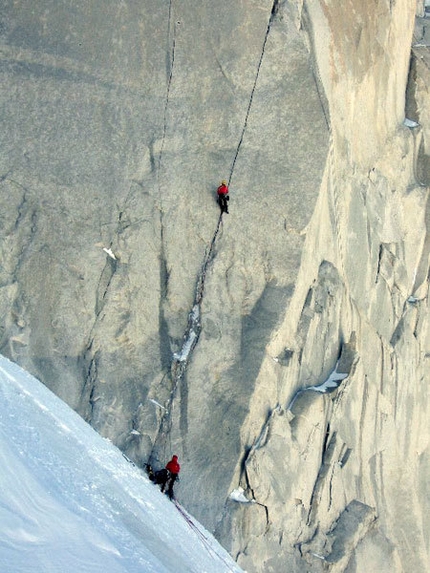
[193, 320]
[186, 348]
[332, 382]
[239, 496]
[195, 313]
[410, 123]
[70, 502]
[157, 403]
[110, 253]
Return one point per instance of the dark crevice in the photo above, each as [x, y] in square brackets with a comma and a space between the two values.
[104, 283]
[21, 210]
[411, 105]
[246, 477]
[275, 8]
[330, 490]
[328, 449]
[91, 402]
[345, 457]
[164, 344]
[306, 23]
[378, 268]
[266, 509]
[169, 83]
[152, 160]
[123, 222]
[243, 465]
[88, 396]
[326, 437]
[273, 14]
[170, 56]
[181, 359]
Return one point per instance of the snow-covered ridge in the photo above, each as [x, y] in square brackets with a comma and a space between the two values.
[70, 502]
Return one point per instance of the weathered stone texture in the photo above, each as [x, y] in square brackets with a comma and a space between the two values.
[119, 120]
[364, 444]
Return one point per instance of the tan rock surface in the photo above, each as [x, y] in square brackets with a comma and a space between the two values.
[341, 473]
[172, 331]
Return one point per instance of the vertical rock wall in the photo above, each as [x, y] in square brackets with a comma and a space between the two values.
[336, 450]
[280, 349]
[120, 119]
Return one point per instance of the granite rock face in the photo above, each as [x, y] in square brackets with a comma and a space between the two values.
[280, 349]
[351, 492]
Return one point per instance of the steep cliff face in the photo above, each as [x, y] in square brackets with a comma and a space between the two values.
[337, 473]
[170, 328]
[120, 120]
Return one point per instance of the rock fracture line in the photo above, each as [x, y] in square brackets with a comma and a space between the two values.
[181, 359]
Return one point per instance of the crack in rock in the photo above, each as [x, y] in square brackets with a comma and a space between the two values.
[337, 545]
[273, 14]
[343, 368]
[181, 359]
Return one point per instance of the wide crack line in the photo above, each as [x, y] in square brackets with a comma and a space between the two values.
[192, 333]
[90, 356]
[181, 359]
[166, 420]
[273, 13]
[191, 336]
[169, 68]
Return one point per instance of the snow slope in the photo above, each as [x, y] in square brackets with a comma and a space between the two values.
[70, 502]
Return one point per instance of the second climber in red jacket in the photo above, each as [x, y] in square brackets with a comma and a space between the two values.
[223, 197]
[173, 468]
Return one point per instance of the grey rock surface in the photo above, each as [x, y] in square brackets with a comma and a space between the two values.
[172, 330]
[119, 120]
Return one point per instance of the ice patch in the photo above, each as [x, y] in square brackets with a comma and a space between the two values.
[410, 123]
[239, 496]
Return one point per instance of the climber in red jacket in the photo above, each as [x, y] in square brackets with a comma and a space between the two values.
[173, 468]
[223, 197]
